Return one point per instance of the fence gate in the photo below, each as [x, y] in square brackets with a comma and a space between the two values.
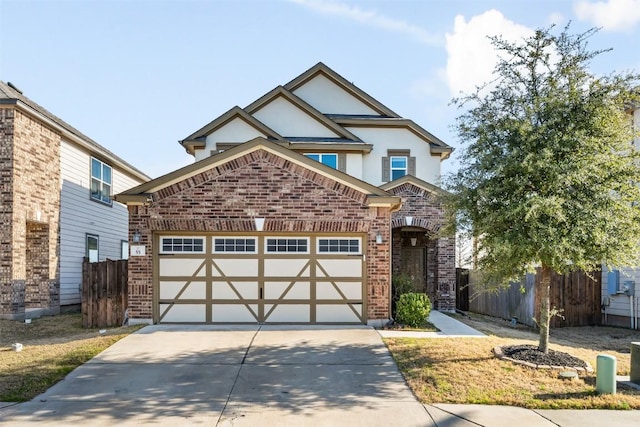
[104, 293]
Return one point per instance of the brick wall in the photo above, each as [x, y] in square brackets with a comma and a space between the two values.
[30, 179]
[260, 184]
[428, 214]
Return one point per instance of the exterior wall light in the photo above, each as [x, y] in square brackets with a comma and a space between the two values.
[414, 240]
[136, 237]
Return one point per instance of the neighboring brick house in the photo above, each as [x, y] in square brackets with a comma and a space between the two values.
[297, 210]
[56, 186]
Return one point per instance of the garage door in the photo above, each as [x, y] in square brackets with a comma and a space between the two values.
[260, 279]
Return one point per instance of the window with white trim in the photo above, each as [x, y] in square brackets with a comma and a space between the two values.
[339, 246]
[399, 167]
[330, 160]
[100, 181]
[287, 245]
[234, 245]
[178, 245]
[92, 243]
[124, 249]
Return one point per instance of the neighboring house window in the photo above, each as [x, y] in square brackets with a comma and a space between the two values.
[172, 245]
[92, 247]
[339, 246]
[330, 160]
[288, 245]
[397, 164]
[234, 245]
[100, 181]
[124, 249]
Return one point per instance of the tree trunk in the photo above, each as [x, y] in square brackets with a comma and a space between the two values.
[545, 311]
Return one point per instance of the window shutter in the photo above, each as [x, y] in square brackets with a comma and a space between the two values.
[386, 168]
[342, 162]
[411, 169]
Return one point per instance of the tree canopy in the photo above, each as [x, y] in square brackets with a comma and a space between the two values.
[549, 173]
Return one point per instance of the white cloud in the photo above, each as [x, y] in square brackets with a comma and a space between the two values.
[471, 57]
[611, 15]
[371, 18]
[556, 18]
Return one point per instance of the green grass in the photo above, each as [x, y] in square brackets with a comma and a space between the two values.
[53, 347]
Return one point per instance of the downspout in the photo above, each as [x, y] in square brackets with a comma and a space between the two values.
[631, 310]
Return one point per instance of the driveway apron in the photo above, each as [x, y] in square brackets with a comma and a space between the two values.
[232, 376]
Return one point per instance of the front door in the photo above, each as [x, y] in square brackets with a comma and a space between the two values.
[414, 265]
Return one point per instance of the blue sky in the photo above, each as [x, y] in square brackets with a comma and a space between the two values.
[139, 75]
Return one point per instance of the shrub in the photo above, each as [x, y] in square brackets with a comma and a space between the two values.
[413, 309]
[400, 284]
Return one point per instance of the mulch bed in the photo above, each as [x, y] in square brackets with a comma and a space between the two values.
[529, 355]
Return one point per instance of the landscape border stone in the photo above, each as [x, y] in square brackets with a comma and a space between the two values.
[497, 350]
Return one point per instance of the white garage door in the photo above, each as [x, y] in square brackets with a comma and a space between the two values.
[260, 279]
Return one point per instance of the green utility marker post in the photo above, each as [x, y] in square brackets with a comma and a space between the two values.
[635, 362]
[606, 374]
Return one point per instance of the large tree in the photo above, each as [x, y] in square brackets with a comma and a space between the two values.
[549, 173]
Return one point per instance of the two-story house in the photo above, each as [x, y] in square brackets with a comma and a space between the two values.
[56, 188]
[297, 210]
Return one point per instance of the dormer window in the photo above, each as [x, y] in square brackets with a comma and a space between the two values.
[330, 160]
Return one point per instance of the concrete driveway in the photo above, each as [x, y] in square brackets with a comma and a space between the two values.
[232, 376]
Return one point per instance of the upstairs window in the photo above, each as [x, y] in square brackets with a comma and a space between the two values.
[330, 160]
[397, 164]
[100, 181]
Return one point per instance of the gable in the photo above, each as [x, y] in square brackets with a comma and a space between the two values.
[330, 98]
[289, 120]
[235, 130]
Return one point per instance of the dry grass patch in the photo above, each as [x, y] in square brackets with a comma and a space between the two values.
[53, 347]
[464, 370]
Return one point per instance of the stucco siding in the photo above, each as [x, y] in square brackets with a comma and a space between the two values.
[289, 121]
[383, 139]
[328, 98]
[354, 165]
[237, 130]
[80, 216]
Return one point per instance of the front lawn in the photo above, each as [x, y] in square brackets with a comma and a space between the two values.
[464, 370]
[52, 347]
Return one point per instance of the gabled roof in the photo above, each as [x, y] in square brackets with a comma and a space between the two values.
[358, 93]
[437, 145]
[280, 91]
[142, 193]
[410, 179]
[10, 95]
[197, 139]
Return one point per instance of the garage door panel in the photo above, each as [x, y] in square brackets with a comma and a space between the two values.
[299, 313]
[350, 267]
[192, 290]
[187, 267]
[275, 290]
[286, 267]
[329, 313]
[225, 290]
[183, 313]
[329, 290]
[234, 313]
[240, 267]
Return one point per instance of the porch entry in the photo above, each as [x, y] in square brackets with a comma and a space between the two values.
[414, 264]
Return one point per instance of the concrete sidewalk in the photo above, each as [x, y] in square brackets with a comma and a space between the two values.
[448, 328]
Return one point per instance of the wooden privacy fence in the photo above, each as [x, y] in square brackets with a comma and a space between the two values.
[104, 293]
[576, 293]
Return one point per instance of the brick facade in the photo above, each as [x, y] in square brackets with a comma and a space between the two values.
[427, 218]
[30, 195]
[291, 197]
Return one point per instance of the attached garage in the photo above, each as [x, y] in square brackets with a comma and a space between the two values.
[259, 234]
[260, 279]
